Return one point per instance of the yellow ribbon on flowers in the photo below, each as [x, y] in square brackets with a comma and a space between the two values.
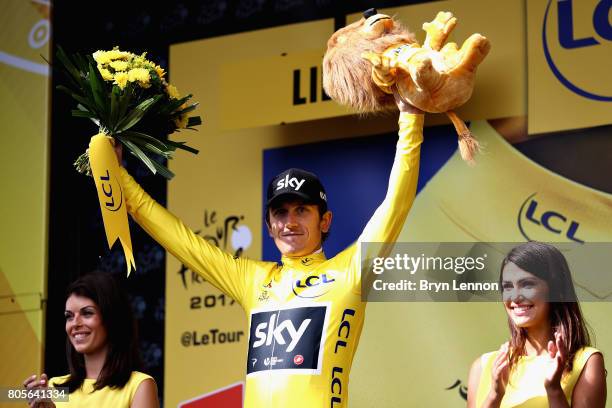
[105, 170]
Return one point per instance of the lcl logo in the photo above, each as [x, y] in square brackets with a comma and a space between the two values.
[313, 286]
[570, 40]
[107, 189]
[532, 212]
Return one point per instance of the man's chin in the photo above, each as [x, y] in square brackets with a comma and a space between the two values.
[293, 251]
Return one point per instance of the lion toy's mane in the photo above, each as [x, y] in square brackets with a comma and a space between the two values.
[347, 76]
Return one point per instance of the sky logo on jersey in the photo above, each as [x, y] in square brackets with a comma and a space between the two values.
[278, 337]
[579, 55]
[534, 218]
[292, 182]
[314, 286]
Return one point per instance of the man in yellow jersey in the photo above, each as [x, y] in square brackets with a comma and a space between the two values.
[306, 314]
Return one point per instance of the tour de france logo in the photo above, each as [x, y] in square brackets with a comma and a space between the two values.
[577, 45]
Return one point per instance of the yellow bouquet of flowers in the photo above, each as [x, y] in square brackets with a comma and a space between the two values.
[128, 98]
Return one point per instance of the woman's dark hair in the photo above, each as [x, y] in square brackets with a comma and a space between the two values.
[548, 263]
[122, 339]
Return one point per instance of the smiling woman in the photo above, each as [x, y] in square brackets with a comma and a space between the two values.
[548, 360]
[101, 348]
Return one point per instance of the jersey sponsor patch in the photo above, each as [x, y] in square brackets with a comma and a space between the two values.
[287, 339]
[315, 285]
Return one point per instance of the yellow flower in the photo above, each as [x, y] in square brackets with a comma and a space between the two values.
[141, 61]
[160, 71]
[121, 79]
[119, 65]
[101, 57]
[173, 93]
[139, 74]
[181, 121]
[106, 75]
[104, 57]
[115, 54]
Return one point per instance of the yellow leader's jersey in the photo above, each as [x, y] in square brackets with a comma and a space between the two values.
[305, 316]
[506, 197]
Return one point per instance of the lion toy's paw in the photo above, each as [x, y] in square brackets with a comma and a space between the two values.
[438, 30]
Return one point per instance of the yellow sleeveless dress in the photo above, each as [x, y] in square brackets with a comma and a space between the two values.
[106, 397]
[526, 386]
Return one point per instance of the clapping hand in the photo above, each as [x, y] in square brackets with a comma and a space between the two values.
[499, 377]
[33, 383]
[500, 371]
[557, 357]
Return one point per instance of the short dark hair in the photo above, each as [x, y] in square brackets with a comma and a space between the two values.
[321, 206]
[122, 337]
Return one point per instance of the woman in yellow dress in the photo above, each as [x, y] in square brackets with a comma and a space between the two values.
[102, 350]
[549, 361]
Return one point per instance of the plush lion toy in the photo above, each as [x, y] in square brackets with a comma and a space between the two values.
[366, 59]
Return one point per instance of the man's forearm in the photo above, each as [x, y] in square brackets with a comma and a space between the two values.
[215, 265]
[386, 223]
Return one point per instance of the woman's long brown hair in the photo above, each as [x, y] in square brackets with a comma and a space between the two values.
[548, 263]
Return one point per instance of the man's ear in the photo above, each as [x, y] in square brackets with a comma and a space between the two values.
[267, 221]
[326, 220]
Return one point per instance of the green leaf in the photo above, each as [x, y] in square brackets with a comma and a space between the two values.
[124, 103]
[82, 63]
[82, 114]
[84, 101]
[64, 59]
[194, 121]
[144, 138]
[163, 170]
[167, 154]
[97, 87]
[73, 74]
[131, 119]
[187, 109]
[136, 114]
[136, 151]
[182, 146]
[144, 145]
[173, 105]
[114, 108]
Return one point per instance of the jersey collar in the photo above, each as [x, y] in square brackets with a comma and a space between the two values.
[304, 262]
